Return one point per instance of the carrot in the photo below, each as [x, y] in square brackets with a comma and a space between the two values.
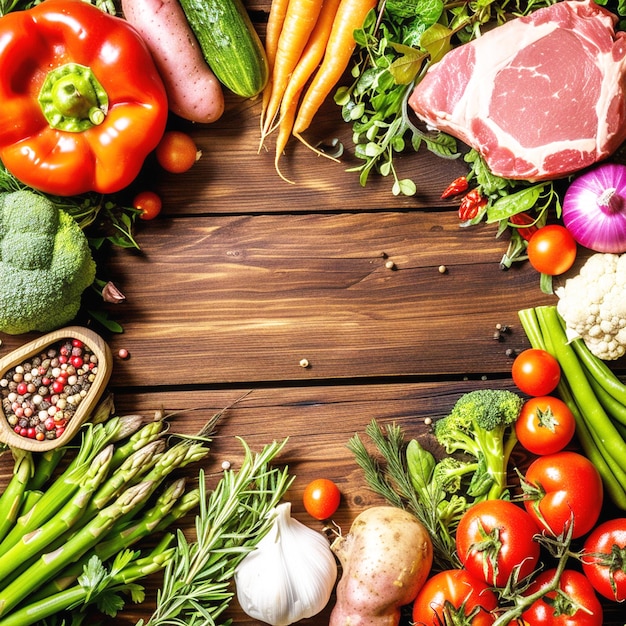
[341, 44]
[275, 22]
[312, 53]
[299, 21]
[310, 59]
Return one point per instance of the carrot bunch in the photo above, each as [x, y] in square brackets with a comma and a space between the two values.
[308, 44]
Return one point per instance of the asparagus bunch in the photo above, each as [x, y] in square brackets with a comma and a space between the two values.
[67, 530]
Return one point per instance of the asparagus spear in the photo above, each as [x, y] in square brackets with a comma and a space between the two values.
[136, 464]
[94, 440]
[11, 499]
[47, 462]
[146, 434]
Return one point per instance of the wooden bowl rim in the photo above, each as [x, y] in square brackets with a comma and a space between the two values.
[102, 351]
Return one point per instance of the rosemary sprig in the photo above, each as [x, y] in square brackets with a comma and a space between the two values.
[231, 520]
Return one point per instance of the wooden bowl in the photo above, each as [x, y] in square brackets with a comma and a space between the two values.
[97, 346]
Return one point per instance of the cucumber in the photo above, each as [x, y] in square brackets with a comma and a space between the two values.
[229, 43]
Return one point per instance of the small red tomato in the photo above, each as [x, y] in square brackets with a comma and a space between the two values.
[176, 152]
[149, 203]
[552, 250]
[545, 425]
[321, 498]
[536, 372]
[604, 559]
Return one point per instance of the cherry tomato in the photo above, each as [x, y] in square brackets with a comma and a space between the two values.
[454, 590]
[321, 498]
[176, 152]
[561, 488]
[578, 605]
[545, 425]
[536, 372]
[604, 559]
[552, 250]
[149, 203]
[494, 539]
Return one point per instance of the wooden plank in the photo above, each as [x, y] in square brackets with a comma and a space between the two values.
[227, 299]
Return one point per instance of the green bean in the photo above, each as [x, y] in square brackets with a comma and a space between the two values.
[614, 408]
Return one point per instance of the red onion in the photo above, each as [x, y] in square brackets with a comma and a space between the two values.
[594, 208]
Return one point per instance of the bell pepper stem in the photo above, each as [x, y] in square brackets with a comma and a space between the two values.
[72, 99]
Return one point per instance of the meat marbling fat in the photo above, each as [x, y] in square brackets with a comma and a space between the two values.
[539, 97]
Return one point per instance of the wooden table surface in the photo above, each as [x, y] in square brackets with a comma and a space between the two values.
[244, 275]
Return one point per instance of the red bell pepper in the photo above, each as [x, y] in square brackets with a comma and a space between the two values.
[82, 103]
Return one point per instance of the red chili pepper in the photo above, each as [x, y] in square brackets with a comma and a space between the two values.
[82, 101]
[471, 204]
[526, 225]
[457, 186]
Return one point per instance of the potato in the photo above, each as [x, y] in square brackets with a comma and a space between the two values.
[193, 91]
[386, 558]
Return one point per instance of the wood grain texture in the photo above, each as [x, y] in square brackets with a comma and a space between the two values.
[243, 276]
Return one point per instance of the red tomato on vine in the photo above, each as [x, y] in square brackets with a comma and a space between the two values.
[495, 539]
[575, 605]
[455, 592]
[604, 559]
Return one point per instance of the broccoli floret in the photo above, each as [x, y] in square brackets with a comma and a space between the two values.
[450, 472]
[45, 264]
[481, 425]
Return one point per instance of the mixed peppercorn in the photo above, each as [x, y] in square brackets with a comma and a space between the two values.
[40, 396]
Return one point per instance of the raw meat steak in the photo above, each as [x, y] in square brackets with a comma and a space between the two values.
[539, 97]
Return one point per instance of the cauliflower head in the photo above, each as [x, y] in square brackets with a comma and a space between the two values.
[45, 264]
[593, 305]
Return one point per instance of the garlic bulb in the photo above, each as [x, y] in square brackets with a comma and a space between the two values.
[289, 576]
